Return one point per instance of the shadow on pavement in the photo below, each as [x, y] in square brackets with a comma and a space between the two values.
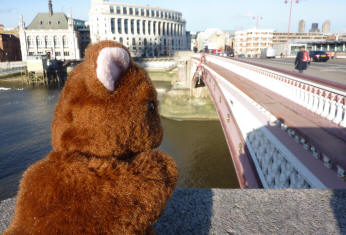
[189, 211]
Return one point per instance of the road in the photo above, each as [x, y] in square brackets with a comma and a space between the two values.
[332, 70]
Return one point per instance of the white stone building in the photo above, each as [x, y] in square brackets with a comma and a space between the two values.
[145, 30]
[252, 41]
[52, 34]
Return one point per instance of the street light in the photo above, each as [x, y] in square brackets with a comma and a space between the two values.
[289, 23]
[257, 18]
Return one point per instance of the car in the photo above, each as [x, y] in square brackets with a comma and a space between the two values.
[318, 56]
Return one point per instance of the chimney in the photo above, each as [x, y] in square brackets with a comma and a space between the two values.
[50, 7]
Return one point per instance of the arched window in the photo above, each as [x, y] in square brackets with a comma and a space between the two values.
[55, 41]
[38, 41]
[46, 41]
[133, 42]
[121, 40]
[28, 39]
[159, 28]
[167, 28]
[64, 41]
[163, 28]
[145, 42]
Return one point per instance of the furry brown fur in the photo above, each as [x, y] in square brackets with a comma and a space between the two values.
[103, 176]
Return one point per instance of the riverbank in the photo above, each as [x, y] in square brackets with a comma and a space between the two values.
[178, 104]
[236, 211]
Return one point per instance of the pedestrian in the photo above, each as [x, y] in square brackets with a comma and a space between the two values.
[302, 60]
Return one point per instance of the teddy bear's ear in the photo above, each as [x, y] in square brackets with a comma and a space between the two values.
[111, 61]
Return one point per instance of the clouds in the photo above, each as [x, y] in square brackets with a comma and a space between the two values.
[8, 10]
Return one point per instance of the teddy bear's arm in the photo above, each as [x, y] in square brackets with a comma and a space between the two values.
[154, 177]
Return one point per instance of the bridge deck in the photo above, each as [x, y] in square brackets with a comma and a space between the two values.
[328, 136]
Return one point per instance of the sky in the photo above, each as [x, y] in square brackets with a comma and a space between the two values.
[203, 14]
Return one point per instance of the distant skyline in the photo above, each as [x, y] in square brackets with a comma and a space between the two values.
[202, 14]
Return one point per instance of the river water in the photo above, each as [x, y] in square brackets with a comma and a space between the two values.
[198, 147]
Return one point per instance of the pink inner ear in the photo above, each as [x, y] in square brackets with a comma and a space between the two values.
[110, 63]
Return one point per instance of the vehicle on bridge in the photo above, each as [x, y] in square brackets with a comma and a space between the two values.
[318, 56]
[268, 53]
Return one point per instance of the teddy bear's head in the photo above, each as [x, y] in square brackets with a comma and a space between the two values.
[108, 106]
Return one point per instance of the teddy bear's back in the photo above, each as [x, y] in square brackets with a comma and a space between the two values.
[88, 195]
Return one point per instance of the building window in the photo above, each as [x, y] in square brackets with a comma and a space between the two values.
[113, 25]
[118, 10]
[46, 41]
[31, 53]
[159, 28]
[157, 14]
[41, 22]
[142, 12]
[138, 30]
[167, 28]
[119, 25]
[143, 26]
[161, 14]
[149, 28]
[147, 12]
[28, 40]
[121, 40]
[152, 13]
[126, 22]
[64, 41]
[55, 41]
[145, 42]
[136, 11]
[132, 26]
[66, 53]
[57, 53]
[165, 15]
[163, 28]
[131, 11]
[154, 27]
[111, 9]
[133, 41]
[124, 10]
[172, 29]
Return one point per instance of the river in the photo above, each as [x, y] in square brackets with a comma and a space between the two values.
[198, 147]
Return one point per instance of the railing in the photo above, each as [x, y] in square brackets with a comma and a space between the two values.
[328, 102]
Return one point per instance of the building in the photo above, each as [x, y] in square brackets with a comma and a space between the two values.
[9, 48]
[282, 37]
[301, 27]
[146, 31]
[252, 41]
[326, 27]
[53, 34]
[314, 28]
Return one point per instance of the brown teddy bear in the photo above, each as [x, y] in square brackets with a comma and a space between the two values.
[103, 176]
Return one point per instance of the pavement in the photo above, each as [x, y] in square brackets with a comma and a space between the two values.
[239, 211]
[332, 70]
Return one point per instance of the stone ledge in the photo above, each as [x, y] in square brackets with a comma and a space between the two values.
[236, 211]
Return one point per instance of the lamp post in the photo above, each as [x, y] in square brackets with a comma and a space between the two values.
[289, 23]
[257, 18]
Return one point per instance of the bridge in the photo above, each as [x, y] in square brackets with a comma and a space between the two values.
[283, 129]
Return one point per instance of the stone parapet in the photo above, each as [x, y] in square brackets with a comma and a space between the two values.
[236, 211]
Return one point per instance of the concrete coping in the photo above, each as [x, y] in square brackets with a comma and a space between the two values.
[239, 211]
